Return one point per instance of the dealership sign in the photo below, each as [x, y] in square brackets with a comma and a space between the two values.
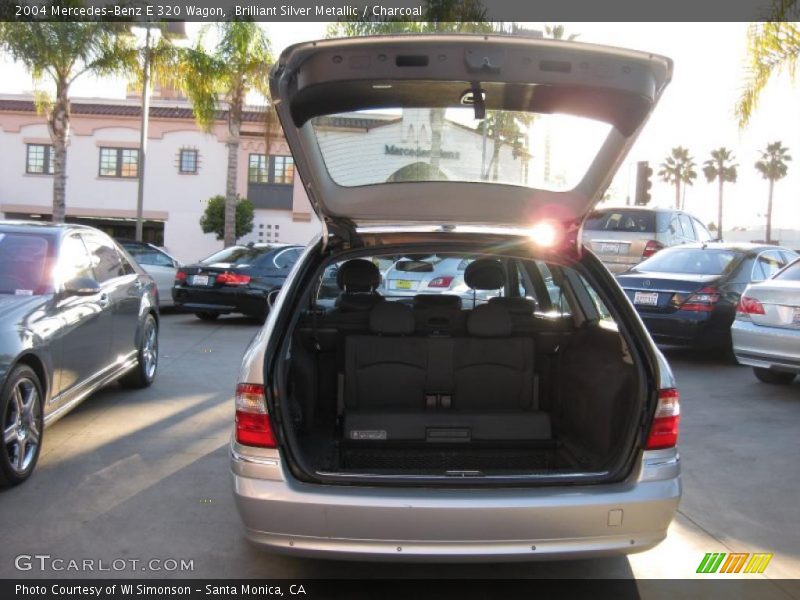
[419, 152]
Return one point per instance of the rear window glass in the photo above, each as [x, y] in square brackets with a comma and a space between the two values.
[394, 145]
[23, 264]
[790, 273]
[629, 221]
[237, 255]
[695, 261]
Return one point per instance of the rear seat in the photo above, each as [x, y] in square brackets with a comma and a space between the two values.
[401, 387]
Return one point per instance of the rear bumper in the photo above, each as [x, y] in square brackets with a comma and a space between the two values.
[501, 524]
[766, 347]
[685, 328]
[221, 300]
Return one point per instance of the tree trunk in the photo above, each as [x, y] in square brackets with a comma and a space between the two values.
[769, 213]
[437, 123]
[719, 208]
[678, 194]
[234, 129]
[58, 124]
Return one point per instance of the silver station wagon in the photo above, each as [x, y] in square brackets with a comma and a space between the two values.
[538, 420]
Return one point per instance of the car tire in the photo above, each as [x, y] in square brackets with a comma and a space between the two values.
[773, 377]
[144, 373]
[207, 316]
[21, 406]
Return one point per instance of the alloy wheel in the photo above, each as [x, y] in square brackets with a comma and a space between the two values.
[21, 425]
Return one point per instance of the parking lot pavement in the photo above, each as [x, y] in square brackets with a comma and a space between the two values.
[143, 474]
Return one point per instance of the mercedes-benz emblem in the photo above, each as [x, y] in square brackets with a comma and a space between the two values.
[647, 282]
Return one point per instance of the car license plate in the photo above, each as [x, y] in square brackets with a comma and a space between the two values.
[403, 284]
[646, 298]
[608, 248]
[199, 279]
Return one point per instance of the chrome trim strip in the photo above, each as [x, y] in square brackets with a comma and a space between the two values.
[256, 460]
[89, 389]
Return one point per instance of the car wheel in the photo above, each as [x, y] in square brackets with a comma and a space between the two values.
[773, 377]
[206, 316]
[21, 410]
[144, 372]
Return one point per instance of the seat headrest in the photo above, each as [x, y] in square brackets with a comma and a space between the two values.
[485, 274]
[489, 320]
[516, 306]
[358, 276]
[437, 301]
[391, 318]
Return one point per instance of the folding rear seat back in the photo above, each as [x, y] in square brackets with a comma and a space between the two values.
[387, 369]
[491, 369]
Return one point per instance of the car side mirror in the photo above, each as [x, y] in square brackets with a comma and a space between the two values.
[272, 297]
[81, 286]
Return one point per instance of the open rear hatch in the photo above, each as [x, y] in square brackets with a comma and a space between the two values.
[381, 127]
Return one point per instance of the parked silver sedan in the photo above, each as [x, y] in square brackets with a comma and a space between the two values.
[766, 332]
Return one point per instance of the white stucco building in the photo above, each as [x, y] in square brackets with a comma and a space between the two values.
[185, 166]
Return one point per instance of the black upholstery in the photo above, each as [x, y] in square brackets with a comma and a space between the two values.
[358, 279]
[424, 301]
[404, 387]
[391, 318]
[489, 320]
[515, 305]
[485, 274]
[438, 314]
[384, 371]
[358, 276]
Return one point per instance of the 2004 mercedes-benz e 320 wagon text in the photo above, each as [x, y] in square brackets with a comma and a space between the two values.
[537, 419]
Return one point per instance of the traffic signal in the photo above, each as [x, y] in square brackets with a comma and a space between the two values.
[643, 183]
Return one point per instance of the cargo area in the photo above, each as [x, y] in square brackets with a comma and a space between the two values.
[422, 386]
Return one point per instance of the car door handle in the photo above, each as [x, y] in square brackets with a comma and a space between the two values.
[103, 300]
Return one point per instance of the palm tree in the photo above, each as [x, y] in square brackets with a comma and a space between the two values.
[772, 167]
[678, 170]
[58, 53]
[719, 167]
[238, 64]
[771, 47]
[558, 32]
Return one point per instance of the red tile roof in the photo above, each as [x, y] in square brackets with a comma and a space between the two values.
[124, 110]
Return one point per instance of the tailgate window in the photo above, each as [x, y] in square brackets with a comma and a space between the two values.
[627, 221]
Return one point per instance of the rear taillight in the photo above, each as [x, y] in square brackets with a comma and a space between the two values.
[664, 429]
[749, 306]
[703, 300]
[440, 282]
[233, 279]
[253, 427]
[651, 248]
[180, 276]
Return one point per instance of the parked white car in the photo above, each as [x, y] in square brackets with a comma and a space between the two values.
[158, 264]
[766, 332]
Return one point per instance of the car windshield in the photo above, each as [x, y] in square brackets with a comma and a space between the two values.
[629, 221]
[545, 151]
[237, 255]
[694, 261]
[790, 273]
[23, 263]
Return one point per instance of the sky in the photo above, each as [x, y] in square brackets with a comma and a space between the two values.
[696, 111]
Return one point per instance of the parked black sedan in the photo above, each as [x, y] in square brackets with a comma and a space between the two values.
[237, 279]
[75, 314]
[687, 295]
